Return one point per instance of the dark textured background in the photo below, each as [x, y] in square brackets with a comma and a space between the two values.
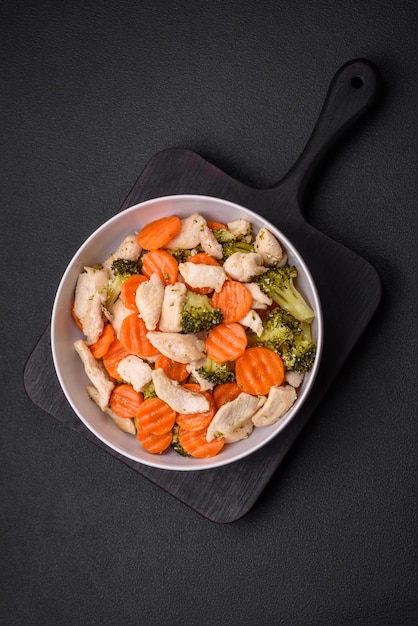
[89, 93]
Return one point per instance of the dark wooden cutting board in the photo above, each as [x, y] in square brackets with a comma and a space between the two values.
[348, 286]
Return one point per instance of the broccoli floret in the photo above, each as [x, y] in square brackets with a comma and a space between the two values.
[277, 283]
[299, 354]
[222, 235]
[180, 254]
[175, 443]
[198, 314]
[278, 327]
[216, 373]
[122, 269]
[149, 391]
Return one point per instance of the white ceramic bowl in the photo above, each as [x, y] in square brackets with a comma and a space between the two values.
[64, 332]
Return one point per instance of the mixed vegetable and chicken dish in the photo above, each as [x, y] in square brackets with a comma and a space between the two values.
[195, 333]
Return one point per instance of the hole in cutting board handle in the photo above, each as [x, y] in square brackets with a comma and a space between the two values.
[357, 82]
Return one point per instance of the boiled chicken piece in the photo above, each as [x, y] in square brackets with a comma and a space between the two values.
[268, 247]
[129, 250]
[199, 275]
[118, 314]
[244, 266]
[253, 321]
[97, 374]
[183, 348]
[240, 228]
[93, 320]
[209, 243]
[260, 299]
[123, 423]
[133, 370]
[189, 235]
[149, 300]
[233, 420]
[294, 378]
[279, 401]
[172, 307]
[88, 301]
[177, 397]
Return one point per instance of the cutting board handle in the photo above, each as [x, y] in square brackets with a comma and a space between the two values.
[351, 93]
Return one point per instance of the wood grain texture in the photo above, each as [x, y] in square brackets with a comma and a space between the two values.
[348, 286]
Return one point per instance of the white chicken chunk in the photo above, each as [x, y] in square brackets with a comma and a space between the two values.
[198, 275]
[279, 400]
[209, 243]
[118, 314]
[149, 299]
[260, 299]
[294, 378]
[253, 321]
[240, 228]
[233, 420]
[129, 250]
[189, 235]
[177, 397]
[88, 301]
[123, 423]
[268, 247]
[133, 370]
[97, 375]
[172, 307]
[183, 348]
[244, 266]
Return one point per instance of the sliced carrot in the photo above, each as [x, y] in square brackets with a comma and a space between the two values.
[104, 342]
[226, 342]
[201, 258]
[128, 290]
[197, 421]
[133, 337]
[125, 401]
[162, 263]
[154, 417]
[173, 369]
[155, 444]
[225, 392]
[194, 442]
[259, 369]
[114, 355]
[158, 233]
[216, 225]
[75, 318]
[234, 300]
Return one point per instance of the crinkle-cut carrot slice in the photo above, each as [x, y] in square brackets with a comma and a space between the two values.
[226, 342]
[234, 300]
[155, 417]
[162, 263]
[194, 442]
[104, 342]
[259, 369]
[173, 369]
[128, 290]
[113, 357]
[133, 337]
[155, 444]
[157, 234]
[225, 392]
[125, 401]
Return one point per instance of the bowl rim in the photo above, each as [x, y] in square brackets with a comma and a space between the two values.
[280, 425]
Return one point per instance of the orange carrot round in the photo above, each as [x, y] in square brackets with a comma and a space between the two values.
[104, 342]
[158, 233]
[259, 369]
[234, 300]
[194, 442]
[115, 353]
[226, 342]
[173, 369]
[154, 416]
[197, 421]
[125, 401]
[128, 290]
[225, 392]
[162, 263]
[155, 444]
[133, 337]
[216, 225]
